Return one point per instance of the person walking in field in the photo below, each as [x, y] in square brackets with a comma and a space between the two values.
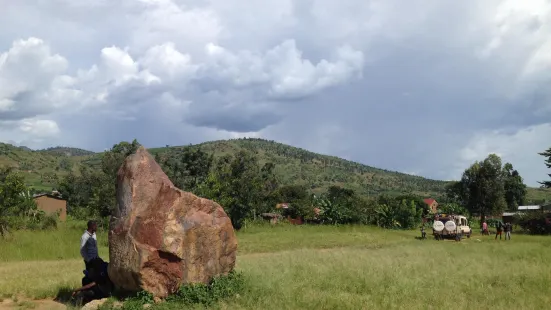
[499, 229]
[89, 244]
[485, 228]
[508, 229]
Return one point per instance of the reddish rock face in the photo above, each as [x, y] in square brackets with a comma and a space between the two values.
[161, 237]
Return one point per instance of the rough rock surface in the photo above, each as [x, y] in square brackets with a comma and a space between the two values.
[94, 304]
[161, 237]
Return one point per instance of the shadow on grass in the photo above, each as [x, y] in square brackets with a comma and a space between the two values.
[64, 296]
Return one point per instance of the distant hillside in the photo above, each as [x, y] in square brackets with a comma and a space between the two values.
[293, 165]
[66, 151]
[41, 168]
[296, 165]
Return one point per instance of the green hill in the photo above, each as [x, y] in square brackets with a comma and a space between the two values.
[296, 165]
[41, 168]
[293, 165]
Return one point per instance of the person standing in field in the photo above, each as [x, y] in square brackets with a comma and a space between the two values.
[499, 229]
[508, 228]
[485, 228]
[89, 244]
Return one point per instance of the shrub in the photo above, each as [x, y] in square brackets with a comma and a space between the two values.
[219, 288]
[535, 223]
[203, 294]
[397, 213]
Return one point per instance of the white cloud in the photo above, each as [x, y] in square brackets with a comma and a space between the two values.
[520, 148]
[327, 75]
[31, 132]
[41, 128]
[284, 69]
[281, 72]
[31, 79]
[166, 61]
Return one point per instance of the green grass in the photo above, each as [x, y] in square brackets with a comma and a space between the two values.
[315, 267]
[60, 244]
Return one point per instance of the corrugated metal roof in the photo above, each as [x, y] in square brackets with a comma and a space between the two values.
[529, 207]
[48, 195]
[429, 201]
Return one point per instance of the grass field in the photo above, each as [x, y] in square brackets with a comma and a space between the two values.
[314, 267]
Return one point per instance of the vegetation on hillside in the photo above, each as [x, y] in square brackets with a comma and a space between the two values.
[42, 170]
[17, 208]
[318, 172]
[248, 177]
[247, 186]
[293, 166]
[66, 151]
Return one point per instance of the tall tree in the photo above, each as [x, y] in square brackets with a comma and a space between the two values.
[92, 193]
[483, 187]
[547, 155]
[515, 189]
[13, 201]
[236, 184]
[112, 160]
[187, 168]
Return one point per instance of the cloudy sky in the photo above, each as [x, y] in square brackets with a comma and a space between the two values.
[424, 87]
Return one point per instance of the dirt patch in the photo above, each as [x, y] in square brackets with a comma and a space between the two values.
[26, 304]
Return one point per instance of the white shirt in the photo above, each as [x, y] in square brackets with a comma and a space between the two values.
[88, 246]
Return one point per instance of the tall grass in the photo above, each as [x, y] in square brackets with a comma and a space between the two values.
[60, 244]
[316, 267]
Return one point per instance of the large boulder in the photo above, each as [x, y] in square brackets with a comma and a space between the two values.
[161, 237]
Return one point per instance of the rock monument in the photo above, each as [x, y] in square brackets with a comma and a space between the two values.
[161, 237]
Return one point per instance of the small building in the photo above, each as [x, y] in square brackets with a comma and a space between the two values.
[52, 203]
[508, 216]
[433, 205]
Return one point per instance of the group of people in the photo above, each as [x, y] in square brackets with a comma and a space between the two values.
[95, 283]
[500, 228]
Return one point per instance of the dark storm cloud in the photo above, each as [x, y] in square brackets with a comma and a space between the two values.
[441, 79]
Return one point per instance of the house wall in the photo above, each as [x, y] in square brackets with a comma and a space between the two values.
[434, 207]
[51, 205]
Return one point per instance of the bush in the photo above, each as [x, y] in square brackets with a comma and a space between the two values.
[219, 288]
[397, 213]
[202, 294]
[33, 220]
[536, 223]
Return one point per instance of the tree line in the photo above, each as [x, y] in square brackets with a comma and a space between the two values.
[243, 185]
[18, 209]
[247, 187]
[490, 188]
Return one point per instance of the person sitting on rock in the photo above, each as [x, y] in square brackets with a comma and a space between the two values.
[96, 283]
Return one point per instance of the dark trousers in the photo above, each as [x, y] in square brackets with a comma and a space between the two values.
[87, 265]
